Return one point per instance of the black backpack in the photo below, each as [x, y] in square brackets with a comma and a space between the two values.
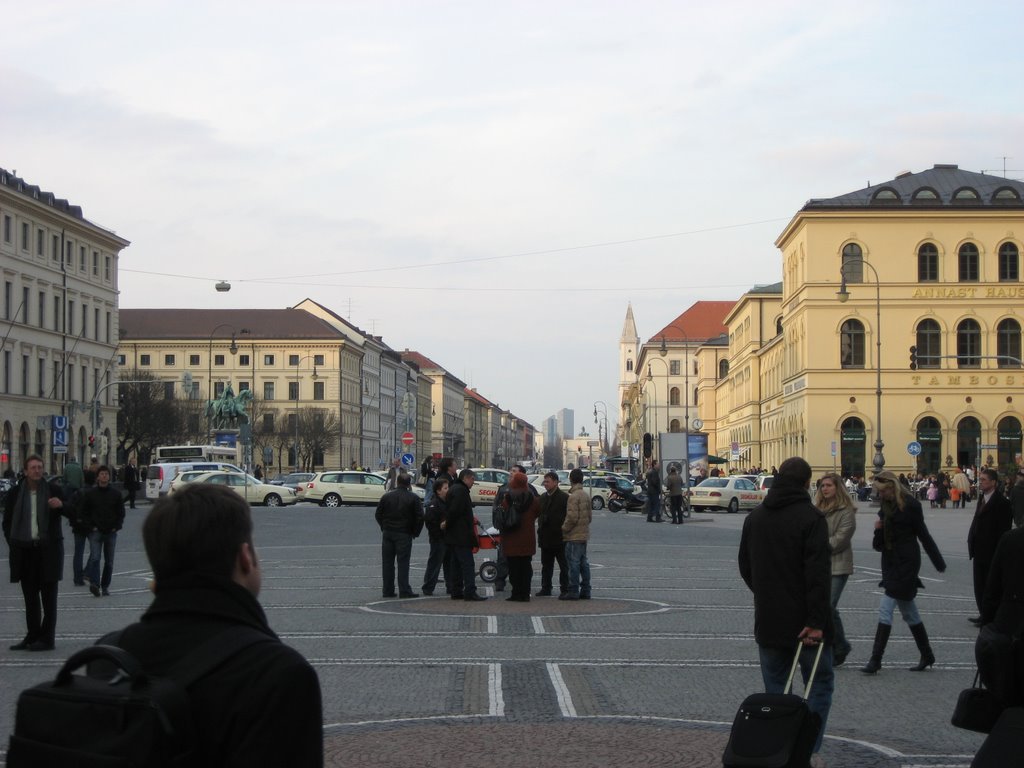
[117, 715]
[509, 514]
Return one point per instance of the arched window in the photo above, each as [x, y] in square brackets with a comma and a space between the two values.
[778, 325]
[723, 368]
[853, 263]
[629, 365]
[968, 263]
[673, 396]
[929, 344]
[968, 436]
[927, 263]
[968, 344]
[1009, 263]
[1008, 343]
[851, 345]
[674, 426]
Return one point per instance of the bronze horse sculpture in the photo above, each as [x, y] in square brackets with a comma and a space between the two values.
[228, 410]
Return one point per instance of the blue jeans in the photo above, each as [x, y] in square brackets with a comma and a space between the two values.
[839, 643]
[907, 607]
[579, 568]
[775, 666]
[395, 546]
[104, 543]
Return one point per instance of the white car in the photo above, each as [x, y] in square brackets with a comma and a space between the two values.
[249, 488]
[731, 493]
[485, 487]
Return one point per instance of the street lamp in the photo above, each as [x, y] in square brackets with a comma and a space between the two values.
[297, 398]
[604, 412]
[843, 295]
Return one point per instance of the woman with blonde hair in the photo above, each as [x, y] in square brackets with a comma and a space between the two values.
[841, 515]
[899, 526]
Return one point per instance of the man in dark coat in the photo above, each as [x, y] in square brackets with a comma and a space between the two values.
[262, 705]
[992, 518]
[784, 560]
[130, 479]
[1017, 499]
[1002, 614]
[652, 481]
[549, 536]
[32, 528]
[102, 510]
[460, 536]
[400, 517]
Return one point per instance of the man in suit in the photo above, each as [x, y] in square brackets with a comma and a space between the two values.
[992, 519]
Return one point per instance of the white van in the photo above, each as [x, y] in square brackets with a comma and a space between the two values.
[159, 476]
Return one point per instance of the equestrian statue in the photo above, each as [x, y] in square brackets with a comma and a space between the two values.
[228, 410]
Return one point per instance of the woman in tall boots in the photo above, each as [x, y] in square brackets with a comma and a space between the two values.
[899, 526]
[841, 515]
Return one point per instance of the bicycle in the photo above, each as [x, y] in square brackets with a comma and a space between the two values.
[666, 507]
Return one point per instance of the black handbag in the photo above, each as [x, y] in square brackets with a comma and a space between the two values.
[977, 708]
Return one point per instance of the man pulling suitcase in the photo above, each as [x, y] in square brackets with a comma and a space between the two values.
[784, 559]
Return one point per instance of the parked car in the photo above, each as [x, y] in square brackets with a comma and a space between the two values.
[184, 478]
[249, 488]
[332, 489]
[764, 482]
[731, 493]
[292, 479]
[488, 481]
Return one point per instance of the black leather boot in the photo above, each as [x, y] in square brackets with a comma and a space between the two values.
[874, 664]
[921, 638]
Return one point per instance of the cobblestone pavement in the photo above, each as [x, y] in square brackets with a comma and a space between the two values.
[650, 672]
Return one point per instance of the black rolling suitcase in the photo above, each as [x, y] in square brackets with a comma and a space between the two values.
[774, 730]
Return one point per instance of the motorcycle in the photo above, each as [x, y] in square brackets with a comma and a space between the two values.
[620, 500]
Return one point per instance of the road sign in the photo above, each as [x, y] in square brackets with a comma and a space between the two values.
[268, 454]
[593, 443]
[914, 448]
[58, 422]
[989, 447]
[408, 438]
[408, 459]
[833, 449]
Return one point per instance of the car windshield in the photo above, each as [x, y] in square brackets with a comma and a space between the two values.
[714, 482]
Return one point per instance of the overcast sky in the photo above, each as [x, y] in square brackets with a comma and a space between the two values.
[490, 183]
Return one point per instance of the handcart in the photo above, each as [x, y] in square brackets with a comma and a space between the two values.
[489, 539]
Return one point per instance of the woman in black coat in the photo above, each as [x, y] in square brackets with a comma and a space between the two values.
[899, 527]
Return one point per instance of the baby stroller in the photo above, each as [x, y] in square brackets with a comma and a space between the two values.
[487, 538]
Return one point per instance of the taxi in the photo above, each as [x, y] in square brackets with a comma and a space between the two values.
[486, 486]
[730, 493]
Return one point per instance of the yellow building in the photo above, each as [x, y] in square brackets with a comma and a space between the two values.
[931, 261]
[293, 361]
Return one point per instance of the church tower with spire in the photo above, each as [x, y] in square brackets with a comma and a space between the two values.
[629, 349]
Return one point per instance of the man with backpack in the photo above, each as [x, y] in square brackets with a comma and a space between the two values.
[261, 704]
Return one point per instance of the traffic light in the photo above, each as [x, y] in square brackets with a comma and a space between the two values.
[92, 441]
[648, 445]
[913, 358]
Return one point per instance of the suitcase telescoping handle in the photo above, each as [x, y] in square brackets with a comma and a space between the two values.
[796, 662]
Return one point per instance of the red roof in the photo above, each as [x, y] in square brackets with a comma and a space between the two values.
[702, 321]
[474, 395]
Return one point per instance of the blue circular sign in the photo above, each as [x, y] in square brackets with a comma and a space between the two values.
[914, 448]
[408, 459]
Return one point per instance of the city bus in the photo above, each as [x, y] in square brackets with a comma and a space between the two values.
[170, 453]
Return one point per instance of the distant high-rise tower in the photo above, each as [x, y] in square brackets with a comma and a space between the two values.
[566, 419]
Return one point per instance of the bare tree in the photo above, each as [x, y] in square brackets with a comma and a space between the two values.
[319, 435]
[146, 418]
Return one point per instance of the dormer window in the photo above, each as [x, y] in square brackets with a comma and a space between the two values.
[1006, 195]
[966, 195]
[925, 195]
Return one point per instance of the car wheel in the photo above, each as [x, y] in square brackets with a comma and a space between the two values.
[734, 505]
[272, 500]
[332, 500]
[597, 502]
